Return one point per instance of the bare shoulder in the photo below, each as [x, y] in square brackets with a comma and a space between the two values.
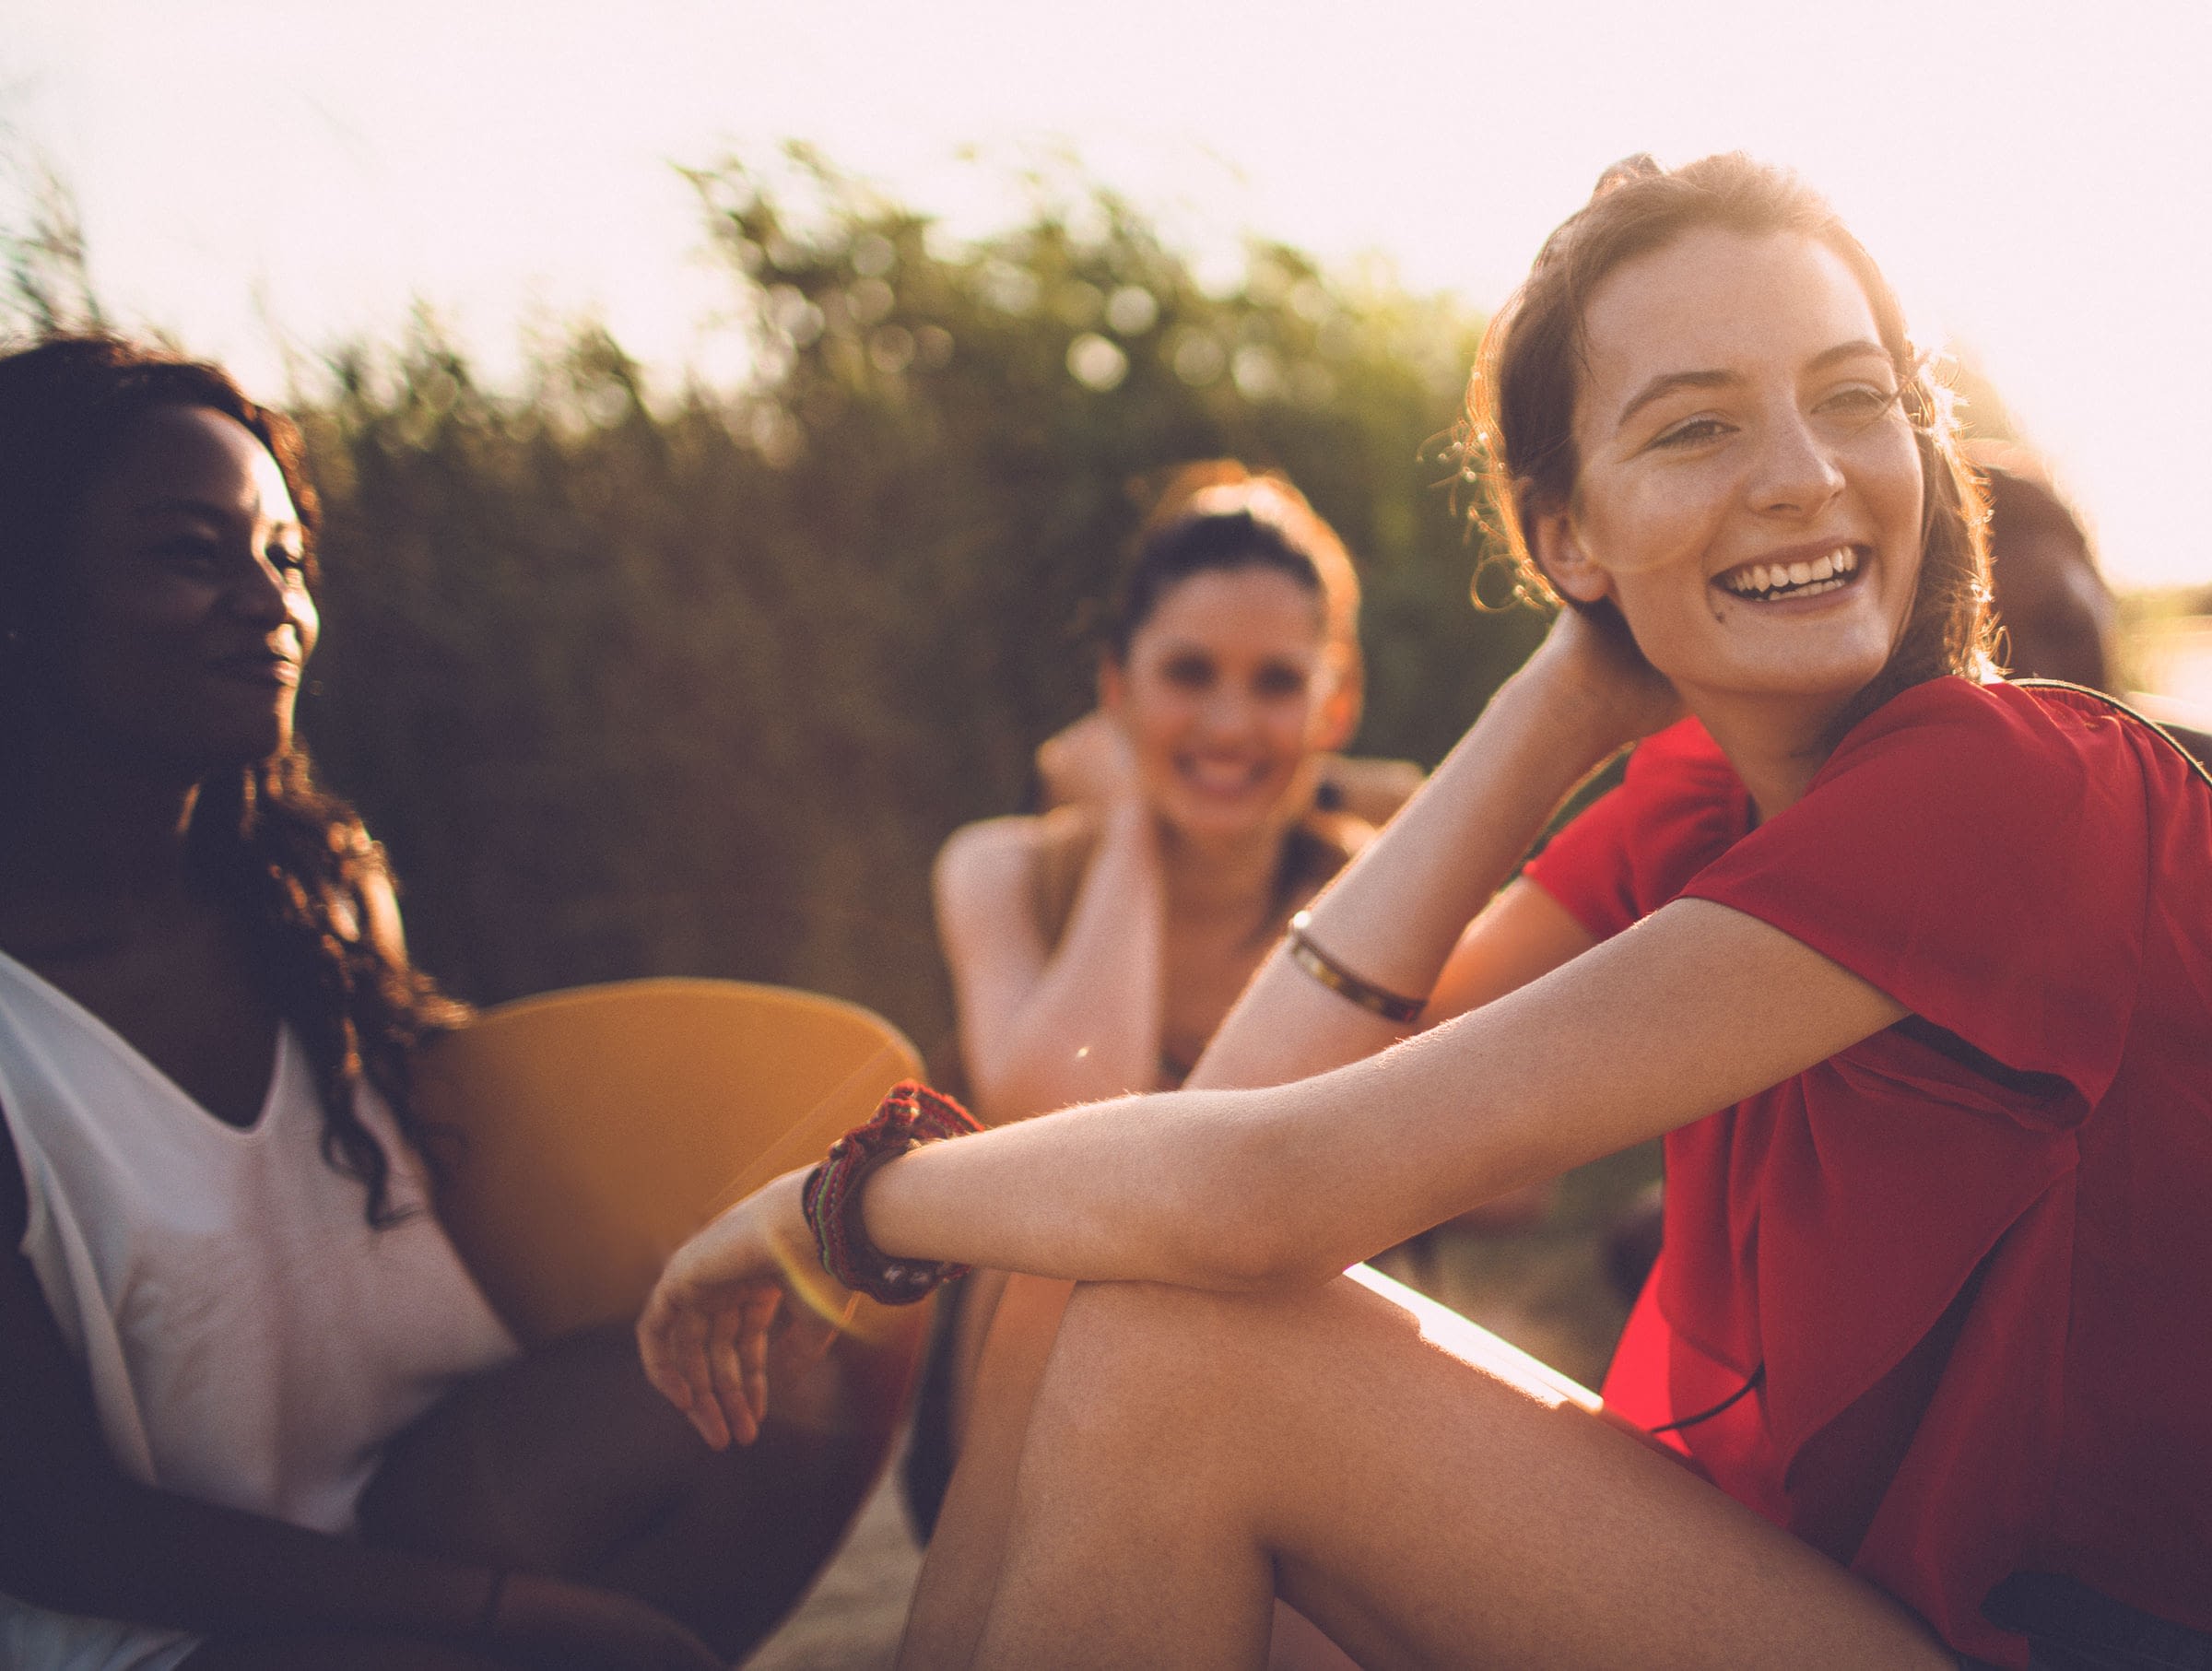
[1009, 852]
[987, 857]
[1015, 872]
[985, 878]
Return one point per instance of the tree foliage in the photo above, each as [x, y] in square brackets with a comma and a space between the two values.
[698, 683]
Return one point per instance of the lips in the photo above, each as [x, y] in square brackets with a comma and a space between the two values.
[1805, 574]
[260, 667]
[1221, 776]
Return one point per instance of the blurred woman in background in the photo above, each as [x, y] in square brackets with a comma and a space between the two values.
[1095, 948]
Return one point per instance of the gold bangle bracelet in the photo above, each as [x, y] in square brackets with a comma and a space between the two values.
[1341, 980]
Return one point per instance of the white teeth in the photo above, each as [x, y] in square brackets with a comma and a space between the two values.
[1222, 776]
[1822, 574]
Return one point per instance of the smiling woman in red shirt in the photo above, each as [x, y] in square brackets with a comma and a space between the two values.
[1911, 967]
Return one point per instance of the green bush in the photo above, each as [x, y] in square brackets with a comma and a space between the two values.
[698, 685]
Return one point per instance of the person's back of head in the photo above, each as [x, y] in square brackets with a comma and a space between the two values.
[2052, 604]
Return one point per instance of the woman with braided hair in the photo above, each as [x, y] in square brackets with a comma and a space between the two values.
[1911, 967]
[254, 1412]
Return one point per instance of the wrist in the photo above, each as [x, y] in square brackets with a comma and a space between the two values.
[1567, 714]
[910, 1115]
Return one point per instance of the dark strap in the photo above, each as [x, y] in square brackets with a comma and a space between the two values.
[2117, 706]
[2074, 1627]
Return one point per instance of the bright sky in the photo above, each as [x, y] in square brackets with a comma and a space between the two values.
[2033, 174]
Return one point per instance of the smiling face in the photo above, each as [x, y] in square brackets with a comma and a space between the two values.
[188, 618]
[1227, 692]
[1750, 491]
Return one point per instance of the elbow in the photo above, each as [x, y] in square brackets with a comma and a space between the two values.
[1252, 1228]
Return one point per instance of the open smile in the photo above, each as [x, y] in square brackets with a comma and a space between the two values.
[1771, 580]
[1220, 776]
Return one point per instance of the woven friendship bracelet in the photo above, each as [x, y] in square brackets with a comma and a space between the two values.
[1341, 980]
[910, 1114]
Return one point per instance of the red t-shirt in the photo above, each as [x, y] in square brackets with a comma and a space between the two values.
[1959, 1275]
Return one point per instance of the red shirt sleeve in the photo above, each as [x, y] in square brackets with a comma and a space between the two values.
[1959, 852]
[1678, 807]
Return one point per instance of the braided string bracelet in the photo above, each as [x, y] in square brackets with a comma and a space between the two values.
[1378, 1000]
[910, 1114]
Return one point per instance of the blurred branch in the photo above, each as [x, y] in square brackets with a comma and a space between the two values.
[50, 283]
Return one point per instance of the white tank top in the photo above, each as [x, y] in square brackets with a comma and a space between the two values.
[250, 1339]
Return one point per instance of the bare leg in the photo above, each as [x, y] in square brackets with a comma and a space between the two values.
[1191, 1454]
[962, 1563]
[1010, 1326]
[568, 1463]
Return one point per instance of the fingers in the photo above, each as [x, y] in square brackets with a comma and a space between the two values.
[752, 1353]
[653, 1352]
[726, 1368]
[674, 1344]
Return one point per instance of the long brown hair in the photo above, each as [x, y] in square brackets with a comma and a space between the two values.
[1519, 427]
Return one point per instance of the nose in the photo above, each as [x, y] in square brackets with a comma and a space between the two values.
[1794, 471]
[260, 591]
[1228, 711]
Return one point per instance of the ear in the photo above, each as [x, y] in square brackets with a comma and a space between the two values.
[1340, 708]
[1561, 552]
[1112, 686]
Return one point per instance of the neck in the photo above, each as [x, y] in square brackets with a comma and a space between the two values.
[1777, 748]
[1230, 874]
[84, 847]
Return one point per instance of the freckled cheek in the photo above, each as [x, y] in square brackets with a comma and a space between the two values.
[1650, 529]
[1888, 467]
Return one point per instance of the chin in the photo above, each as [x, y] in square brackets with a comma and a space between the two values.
[1211, 823]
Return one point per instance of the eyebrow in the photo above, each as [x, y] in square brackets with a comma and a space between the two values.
[204, 508]
[1667, 383]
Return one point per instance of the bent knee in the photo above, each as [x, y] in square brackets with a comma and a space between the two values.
[1144, 1352]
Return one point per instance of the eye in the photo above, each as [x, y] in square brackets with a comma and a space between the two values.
[287, 559]
[1279, 680]
[1692, 432]
[1187, 672]
[1861, 400]
[189, 551]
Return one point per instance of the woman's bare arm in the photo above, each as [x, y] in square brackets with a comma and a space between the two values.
[1044, 1026]
[1419, 912]
[1692, 1010]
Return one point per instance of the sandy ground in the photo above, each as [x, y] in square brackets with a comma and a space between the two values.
[851, 1620]
[1541, 1287]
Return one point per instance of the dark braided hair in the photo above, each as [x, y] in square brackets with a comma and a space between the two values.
[294, 863]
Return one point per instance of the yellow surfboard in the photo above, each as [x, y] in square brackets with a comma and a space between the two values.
[598, 1127]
